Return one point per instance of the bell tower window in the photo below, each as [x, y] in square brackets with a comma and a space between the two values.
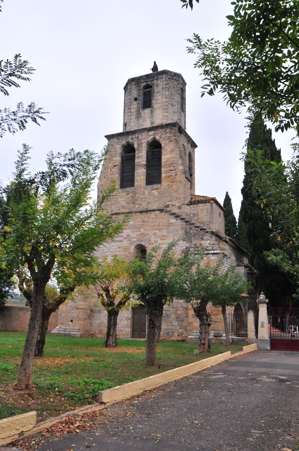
[154, 163]
[127, 169]
[147, 96]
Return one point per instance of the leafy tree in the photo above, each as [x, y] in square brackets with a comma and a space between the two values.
[254, 226]
[229, 218]
[277, 186]
[229, 286]
[154, 283]
[53, 230]
[12, 72]
[196, 285]
[114, 292]
[258, 64]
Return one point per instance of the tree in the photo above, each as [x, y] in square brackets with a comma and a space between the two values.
[114, 292]
[12, 72]
[229, 286]
[277, 186]
[229, 218]
[53, 230]
[154, 284]
[196, 285]
[258, 65]
[54, 297]
[254, 226]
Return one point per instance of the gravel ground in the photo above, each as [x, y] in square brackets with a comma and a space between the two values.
[246, 404]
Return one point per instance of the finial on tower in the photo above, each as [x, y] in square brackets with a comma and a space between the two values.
[155, 67]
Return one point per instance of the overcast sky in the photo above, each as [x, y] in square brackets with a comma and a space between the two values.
[84, 51]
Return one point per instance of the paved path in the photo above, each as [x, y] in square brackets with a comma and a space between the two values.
[249, 404]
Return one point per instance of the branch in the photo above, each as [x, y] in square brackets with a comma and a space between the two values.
[12, 71]
[12, 121]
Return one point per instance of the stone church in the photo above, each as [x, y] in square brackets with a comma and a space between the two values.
[152, 164]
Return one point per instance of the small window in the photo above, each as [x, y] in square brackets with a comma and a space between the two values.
[190, 165]
[147, 97]
[127, 171]
[183, 99]
[154, 163]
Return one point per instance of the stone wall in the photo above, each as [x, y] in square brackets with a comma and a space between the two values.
[175, 188]
[14, 318]
[166, 101]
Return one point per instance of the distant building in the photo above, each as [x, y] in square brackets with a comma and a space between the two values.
[152, 163]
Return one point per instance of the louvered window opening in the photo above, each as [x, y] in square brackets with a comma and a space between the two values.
[147, 97]
[154, 164]
[127, 175]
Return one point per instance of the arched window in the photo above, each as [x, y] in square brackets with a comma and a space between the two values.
[154, 163]
[190, 165]
[127, 170]
[140, 251]
[147, 96]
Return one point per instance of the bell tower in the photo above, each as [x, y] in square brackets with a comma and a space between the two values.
[154, 99]
[151, 162]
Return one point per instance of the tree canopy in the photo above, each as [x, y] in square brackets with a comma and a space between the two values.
[258, 64]
[231, 228]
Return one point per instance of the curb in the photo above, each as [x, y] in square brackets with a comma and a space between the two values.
[131, 389]
[12, 427]
[126, 391]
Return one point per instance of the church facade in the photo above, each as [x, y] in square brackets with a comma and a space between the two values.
[152, 165]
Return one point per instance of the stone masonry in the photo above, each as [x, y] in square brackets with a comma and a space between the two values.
[160, 213]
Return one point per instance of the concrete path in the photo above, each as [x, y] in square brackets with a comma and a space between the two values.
[249, 404]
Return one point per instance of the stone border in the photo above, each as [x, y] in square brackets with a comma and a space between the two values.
[126, 391]
[12, 427]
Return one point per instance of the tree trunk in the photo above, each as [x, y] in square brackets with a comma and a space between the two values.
[204, 326]
[154, 322]
[24, 379]
[226, 326]
[111, 337]
[42, 334]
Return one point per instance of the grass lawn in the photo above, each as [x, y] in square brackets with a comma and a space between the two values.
[73, 370]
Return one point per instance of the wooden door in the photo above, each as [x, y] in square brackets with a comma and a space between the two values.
[138, 322]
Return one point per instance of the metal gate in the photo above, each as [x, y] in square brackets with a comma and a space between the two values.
[284, 331]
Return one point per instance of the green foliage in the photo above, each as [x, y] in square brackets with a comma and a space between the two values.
[113, 284]
[218, 284]
[12, 72]
[53, 227]
[154, 278]
[258, 64]
[254, 226]
[229, 285]
[276, 185]
[229, 218]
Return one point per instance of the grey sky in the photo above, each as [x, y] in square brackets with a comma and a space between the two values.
[84, 51]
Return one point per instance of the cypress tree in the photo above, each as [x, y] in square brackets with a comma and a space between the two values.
[254, 233]
[229, 218]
